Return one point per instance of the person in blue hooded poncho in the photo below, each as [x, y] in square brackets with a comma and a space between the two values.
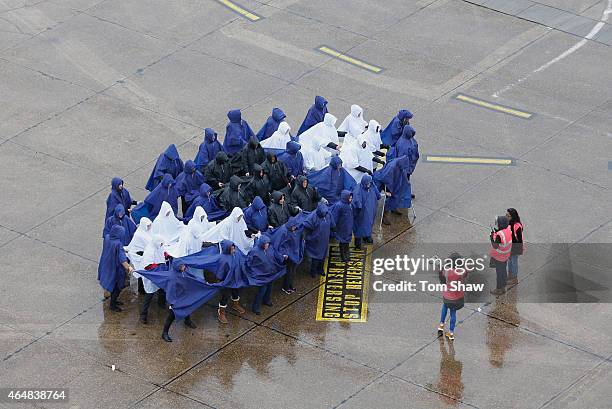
[342, 213]
[264, 265]
[208, 203]
[230, 267]
[331, 180]
[393, 131]
[237, 133]
[113, 266]
[118, 195]
[188, 184]
[317, 228]
[365, 202]
[164, 192]
[394, 178]
[208, 149]
[271, 124]
[288, 239]
[119, 218]
[407, 146]
[256, 216]
[168, 162]
[315, 114]
[293, 159]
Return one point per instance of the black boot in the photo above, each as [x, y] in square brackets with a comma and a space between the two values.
[190, 323]
[357, 243]
[166, 337]
[368, 240]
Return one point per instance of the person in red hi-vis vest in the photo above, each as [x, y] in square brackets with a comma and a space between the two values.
[516, 228]
[501, 246]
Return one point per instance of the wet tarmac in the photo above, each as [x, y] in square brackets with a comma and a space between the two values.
[92, 89]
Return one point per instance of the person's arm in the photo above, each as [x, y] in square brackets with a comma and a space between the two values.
[519, 235]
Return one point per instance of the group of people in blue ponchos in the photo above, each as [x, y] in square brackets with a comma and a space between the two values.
[249, 210]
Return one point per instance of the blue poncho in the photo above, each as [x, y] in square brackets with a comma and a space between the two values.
[315, 114]
[288, 240]
[264, 266]
[256, 215]
[317, 227]
[189, 181]
[164, 192]
[342, 213]
[394, 175]
[208, 149]
[293, 159]
[208, 203]
[331, 180]
[406, 146]
[393, 131]
[271, 124]
[111, 272]
[117, 196]
[168, 162]
[365, 201]
[120, 219]
[237, 133]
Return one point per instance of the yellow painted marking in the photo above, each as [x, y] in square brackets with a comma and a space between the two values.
[243, 12]
[350, 60]
[348, 294]
[495, 107]
[456, 159]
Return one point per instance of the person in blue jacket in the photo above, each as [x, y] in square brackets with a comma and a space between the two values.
[208, 149]
[119, 218]
[342, 213]
[293, 159]
[164, 192]
[256, 216]
[393, 131]
[118, 195]
[113, 266]
[365, 202]
[230, 260]
[317, 228]
[264, 265]
[168, 162]
[406, 146]
[288, 239]
[314, 115]
[394, 178]
[208, 203]
[271, 124]
[331, 180]
[188, 184]
[237, 133]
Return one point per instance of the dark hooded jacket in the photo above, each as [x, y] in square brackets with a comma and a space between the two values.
[119, 218]
[208, 149]
[168, 162]
[218, 171]
[208, 203]
[252, 154]
[293, 159]
[237, 133]
[305, 198]
[276, 171]
[315, 114]
[278, 214]
[271, 124]
[258, 186]
[232, 195]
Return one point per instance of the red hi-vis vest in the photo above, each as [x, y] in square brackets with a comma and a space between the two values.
[502, 252]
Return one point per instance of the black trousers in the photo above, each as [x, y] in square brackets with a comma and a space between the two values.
[288, 281]
[345, 252]
[161, 301]
[316, 266]
[115, 295]
[500, 270]
[170, 319]
[225, 296]
[184, 205]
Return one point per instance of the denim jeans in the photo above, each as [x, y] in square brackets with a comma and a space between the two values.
[453, 317]
[513, 268]
[500, 270]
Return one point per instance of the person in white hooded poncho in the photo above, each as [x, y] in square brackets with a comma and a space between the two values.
[372, 135]
[135, 248]
[319, 143]
[201, 218]
[279, 138]
[153, 255]
[353, 125]
[357, 158]
[167, 225]
[189, 242]
[232, 228]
